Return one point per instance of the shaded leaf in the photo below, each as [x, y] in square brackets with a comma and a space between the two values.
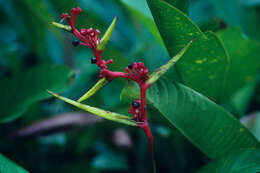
[22, 90]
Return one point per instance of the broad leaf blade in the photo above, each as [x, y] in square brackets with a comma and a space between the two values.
[7, 166]
[247, 161]
[204, 65]
[208, 126]
[19, 92]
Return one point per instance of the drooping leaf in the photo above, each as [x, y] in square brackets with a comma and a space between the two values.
[208, 126]
[204, 65]
[7, 166]
[244, 59]
[247, 161]
[99, 112]
[20, 91]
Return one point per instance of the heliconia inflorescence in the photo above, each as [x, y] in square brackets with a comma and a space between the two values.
[135, 71]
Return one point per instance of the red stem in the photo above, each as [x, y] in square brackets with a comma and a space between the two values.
[138, 73]
[147, 130]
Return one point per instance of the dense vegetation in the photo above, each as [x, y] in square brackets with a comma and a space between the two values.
[204, 112]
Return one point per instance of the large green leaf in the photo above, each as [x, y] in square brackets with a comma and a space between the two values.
[19, 92]
[244, 59]
[204, 65]
[208, 126]
[7, 166]
[247, 161]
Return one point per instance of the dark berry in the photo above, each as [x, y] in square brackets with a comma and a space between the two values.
[136, 104]
[75, 43]
[93, 60]
[130, 66]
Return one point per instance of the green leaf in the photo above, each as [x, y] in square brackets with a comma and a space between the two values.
[247, 161]
[7, 166]
[99, 112]
[22, 90]
[208, 126]
[244, 59]
[204, 65]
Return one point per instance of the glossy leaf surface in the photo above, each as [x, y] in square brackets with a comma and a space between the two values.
[208, 126]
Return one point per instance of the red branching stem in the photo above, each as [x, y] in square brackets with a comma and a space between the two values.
[135, 71]
[110, 75]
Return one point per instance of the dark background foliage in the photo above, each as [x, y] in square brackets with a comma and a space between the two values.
[35, 56]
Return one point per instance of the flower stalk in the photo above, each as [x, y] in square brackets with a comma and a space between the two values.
[136, 72]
